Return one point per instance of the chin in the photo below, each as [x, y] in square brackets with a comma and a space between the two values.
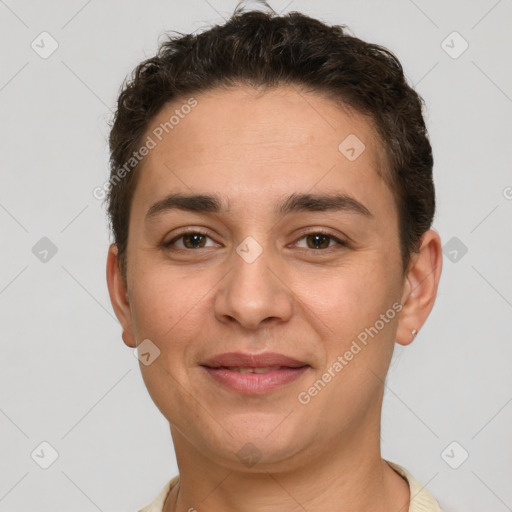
[259, 439]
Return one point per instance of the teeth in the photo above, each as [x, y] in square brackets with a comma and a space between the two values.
[253, 370]
[263, 370]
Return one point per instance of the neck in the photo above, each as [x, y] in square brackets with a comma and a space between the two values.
[351, 476]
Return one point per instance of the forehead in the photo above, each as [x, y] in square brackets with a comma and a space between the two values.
[250, 145]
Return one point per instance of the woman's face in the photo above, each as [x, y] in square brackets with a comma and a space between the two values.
[260, 269]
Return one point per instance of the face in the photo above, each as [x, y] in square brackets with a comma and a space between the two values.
[295, 253]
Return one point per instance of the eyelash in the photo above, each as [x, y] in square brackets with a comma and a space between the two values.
[341, 243]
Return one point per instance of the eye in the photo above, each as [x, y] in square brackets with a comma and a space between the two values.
[189, 240]
[321, 240]
[198, 240]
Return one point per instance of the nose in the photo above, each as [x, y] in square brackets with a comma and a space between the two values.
[254, 293]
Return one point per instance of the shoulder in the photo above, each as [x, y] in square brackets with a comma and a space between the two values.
[158, 503]
[421, 499]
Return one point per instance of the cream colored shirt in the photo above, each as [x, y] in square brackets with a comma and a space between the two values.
[421, 499]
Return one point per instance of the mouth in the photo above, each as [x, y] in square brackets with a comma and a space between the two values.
[241, 369]
[252, 374]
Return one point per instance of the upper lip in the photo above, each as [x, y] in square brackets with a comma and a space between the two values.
[246, 360]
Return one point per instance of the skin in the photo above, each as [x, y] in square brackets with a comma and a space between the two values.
[252, 150]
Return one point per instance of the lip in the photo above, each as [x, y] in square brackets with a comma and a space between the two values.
[286, 371]
[247, 360]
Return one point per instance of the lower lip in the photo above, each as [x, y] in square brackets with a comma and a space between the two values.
[255, 383]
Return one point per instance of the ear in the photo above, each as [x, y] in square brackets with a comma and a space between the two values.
[420, 287]
[119, 296]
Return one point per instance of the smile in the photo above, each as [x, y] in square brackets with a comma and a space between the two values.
[255, 381]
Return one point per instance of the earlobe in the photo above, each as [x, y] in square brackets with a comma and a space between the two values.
[119, 296]
[420, 287]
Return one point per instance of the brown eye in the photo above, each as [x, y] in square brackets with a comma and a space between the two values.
[318, 241]
[194, 240]
[190, 240]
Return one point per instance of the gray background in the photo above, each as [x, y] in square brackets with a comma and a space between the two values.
[66, 376]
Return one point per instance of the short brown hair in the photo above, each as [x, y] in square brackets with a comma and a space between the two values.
[262, 49]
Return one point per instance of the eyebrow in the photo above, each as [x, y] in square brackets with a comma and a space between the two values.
[294, 203]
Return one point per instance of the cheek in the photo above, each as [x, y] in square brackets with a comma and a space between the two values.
[350, 304]
[350, 299]
[167, 307]
[360, 308]
[167, 304]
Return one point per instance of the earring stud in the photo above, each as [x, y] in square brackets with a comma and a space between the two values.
[414, 332]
